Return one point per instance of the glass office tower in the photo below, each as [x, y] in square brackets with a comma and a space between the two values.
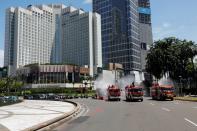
[120, 32]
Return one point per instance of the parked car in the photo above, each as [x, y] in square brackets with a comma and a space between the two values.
[36, 97]
[2, 100]
[29, 97]
[11, 98]
[51, 96]
[42, 96]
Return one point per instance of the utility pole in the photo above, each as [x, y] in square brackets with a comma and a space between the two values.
[179, 85]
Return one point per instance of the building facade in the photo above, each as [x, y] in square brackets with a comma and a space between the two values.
[57, 47]
[120, 32]
[52, 34]
[50, 74]
[145, 27]
[81, 43]
[29, 36]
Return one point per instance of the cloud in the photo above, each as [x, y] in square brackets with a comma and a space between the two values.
[1, 57]
[165, 30]
[172, 30]
[166, 25]
[87, 1]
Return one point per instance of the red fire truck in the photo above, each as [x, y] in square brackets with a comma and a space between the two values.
[162, 92]
[113, 92]
[133, 92]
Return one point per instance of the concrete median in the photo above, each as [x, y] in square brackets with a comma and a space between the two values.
[50, 124]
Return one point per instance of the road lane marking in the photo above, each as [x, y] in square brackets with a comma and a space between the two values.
[191, 122]
[195, 107]
[152, 104]
[165, 109]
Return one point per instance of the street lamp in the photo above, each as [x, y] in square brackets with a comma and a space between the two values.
[180, 93]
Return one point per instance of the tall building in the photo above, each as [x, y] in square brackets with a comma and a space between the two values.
[56, 56]
[52, 34]
[145, 27]
[29, 36]
[120, 32]
[81, 43]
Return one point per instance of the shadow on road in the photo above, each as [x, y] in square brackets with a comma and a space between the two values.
[79, 120]
[131, 101]
[112, 101]
[150, 99]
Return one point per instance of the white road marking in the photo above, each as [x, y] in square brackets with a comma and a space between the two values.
[165, 109]
[84, 110]
[191, 122]
[152, 104]
[195, 107]
[87, 110]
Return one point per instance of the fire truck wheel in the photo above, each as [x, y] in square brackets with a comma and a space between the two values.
[109, 99]
[127, 98]
[141, 100]
[172, 99]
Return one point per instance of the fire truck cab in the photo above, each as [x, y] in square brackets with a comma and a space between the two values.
[113, 92]
[133, 92]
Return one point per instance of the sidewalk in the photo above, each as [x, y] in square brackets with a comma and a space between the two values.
[30, 113]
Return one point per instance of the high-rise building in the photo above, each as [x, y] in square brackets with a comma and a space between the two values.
[52, 34]
[57, 47]
[81, 43]
[145, 27]
[120, 32]
[29, 36]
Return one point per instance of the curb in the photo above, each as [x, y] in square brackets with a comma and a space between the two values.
[182, 99]
[48, 125]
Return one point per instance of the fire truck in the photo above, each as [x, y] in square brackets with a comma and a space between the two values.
[133, 92]
[162, 92]
[113, 92]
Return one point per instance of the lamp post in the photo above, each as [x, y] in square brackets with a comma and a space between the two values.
[180, 91]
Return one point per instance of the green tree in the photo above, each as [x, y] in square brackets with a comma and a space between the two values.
[173, 56]
[17, 85]
[2, 84]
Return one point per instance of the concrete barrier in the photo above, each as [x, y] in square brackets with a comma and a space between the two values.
[48, 125]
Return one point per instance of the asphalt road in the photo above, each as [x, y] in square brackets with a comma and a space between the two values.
[149, 115]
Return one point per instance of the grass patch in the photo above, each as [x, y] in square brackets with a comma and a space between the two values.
[186, 98]
[66, 91]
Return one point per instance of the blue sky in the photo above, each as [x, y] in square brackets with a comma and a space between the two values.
[169, 17]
